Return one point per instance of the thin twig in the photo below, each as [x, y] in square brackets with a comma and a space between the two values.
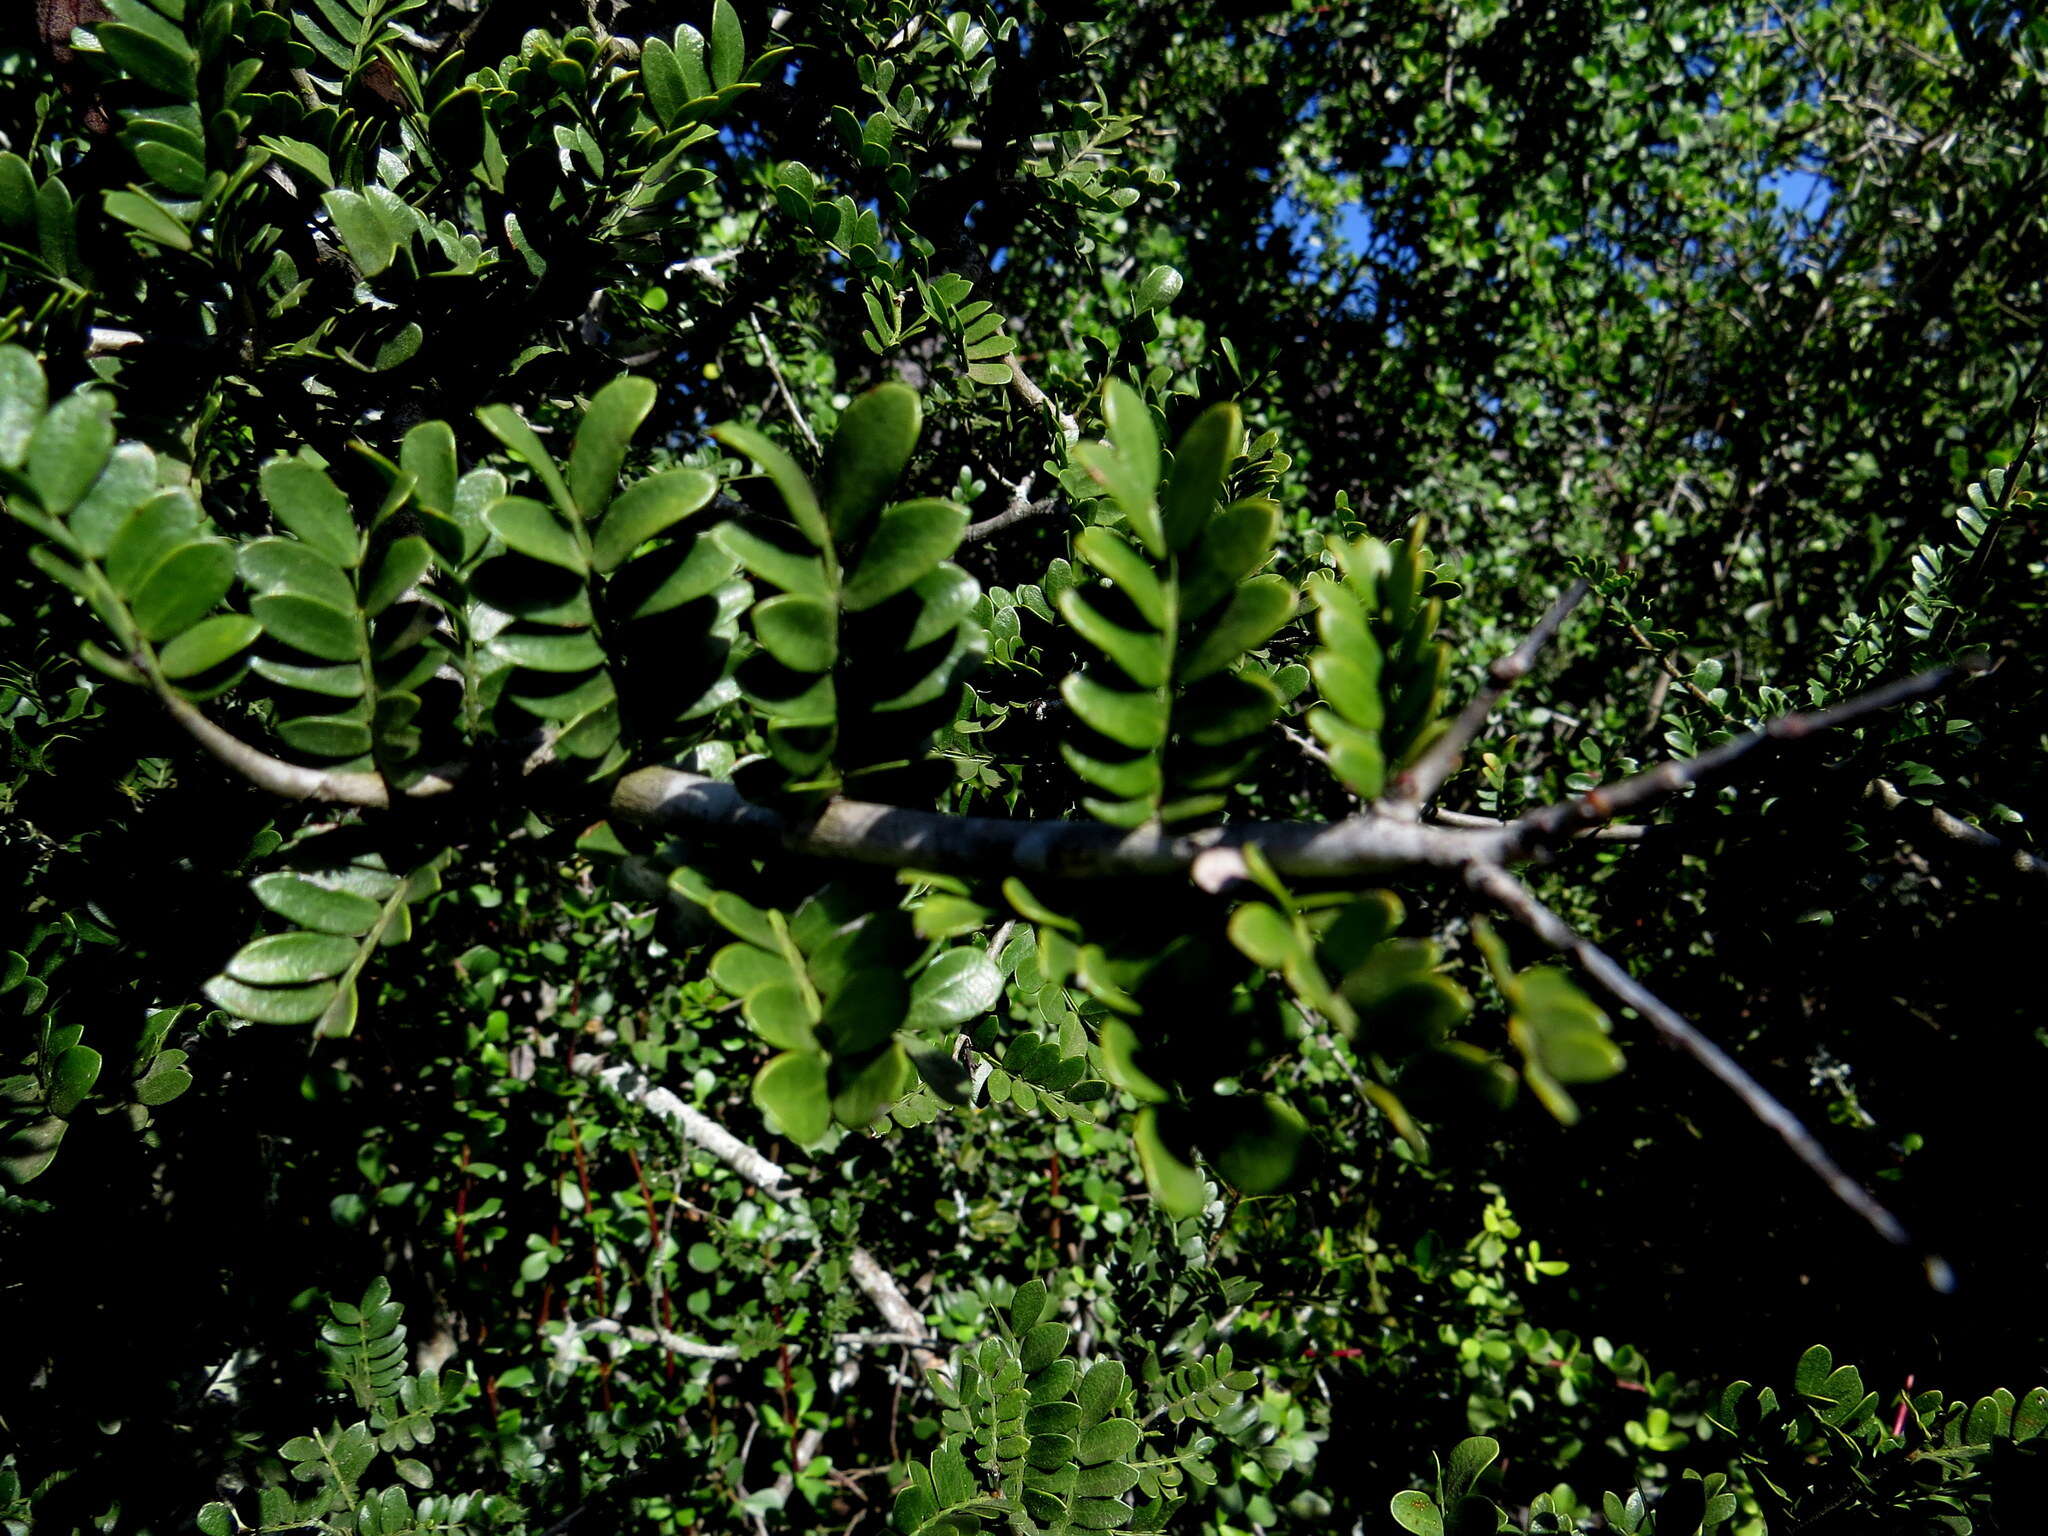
[796, 414]
[1520, 903]
[1670, 670]
[1033, 396]
[1021, 507]
[1427, 774]
[1631, 832]
[766, 1175]
[1957, 830]
[1554, 823]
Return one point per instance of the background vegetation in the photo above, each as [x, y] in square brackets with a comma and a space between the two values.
[1734, 313]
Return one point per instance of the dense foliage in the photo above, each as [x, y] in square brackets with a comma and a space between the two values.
[853, 767]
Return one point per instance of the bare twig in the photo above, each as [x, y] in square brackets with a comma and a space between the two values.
[796, 414]
[770, 1178]
[1957, 830]
[1428, 773]
[1629, 833]
[1021, 507]
[1033, 396]
[1670, 670]
[1653, 786]
[1517, 900]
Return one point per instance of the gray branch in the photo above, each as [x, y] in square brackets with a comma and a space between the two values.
[1520, 903]
[1426, 776]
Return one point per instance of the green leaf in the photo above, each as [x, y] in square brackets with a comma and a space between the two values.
[23, 395]
[314, 906]
[1416, 1511]
[780, 468]
[1257, 609]
[533, 529]
[689, 53]
[1134, 499]
[146, 215]
[1199, 466]
[1131, 719]
[550, 651]
[271, 1005]
[17, 194]
[877, 1085]
[866, 1010]
[615, 414]
[310, 625]
[800, 632]
[372, 239]
[728, 45]
[129, 480]
[1161, 286]
[404, 562]
[791, 1090]
[646, 509]
[293, 958]
[1132, 434]
[949, 595]
[1110, 553]
[1180, 1189]
[1027, 1302]
[305, 500]
[208, 644]
[155, 61]
[1238, 541]
[72, 1075]
[187, 585]
[1042, 1345]
[909, 542]
[877, 434]
[1468, 1462]
[781, 1016]
[286, 565]
[662, 80]
[1110, 1440]
[961, 984]
[512, 429]
[771, 562]
[69, 449]
[1100, 1391]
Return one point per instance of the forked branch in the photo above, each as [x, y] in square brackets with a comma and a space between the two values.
[1429, 771]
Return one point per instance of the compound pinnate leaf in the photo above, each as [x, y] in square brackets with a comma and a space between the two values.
[305, 500]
